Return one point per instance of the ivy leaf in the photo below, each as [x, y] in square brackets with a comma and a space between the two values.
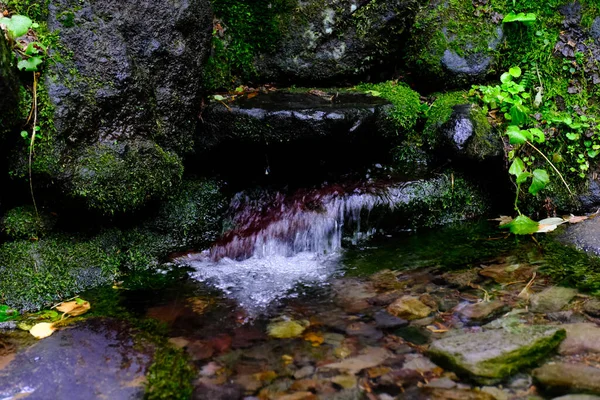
[30, 64]
[572, 136]
[515, 72]
[515, 135]
[522, 225]
[537, 135]
[17, 26]
[518, 114]
[522, 177]
[505, 77]
[526, 19]
[517, 167]
[539, 181]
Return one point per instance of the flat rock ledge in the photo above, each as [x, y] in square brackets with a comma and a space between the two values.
[473, 353]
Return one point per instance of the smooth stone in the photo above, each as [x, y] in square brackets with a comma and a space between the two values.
[364, 330]
[441, 383]
[580, 338]
[385, 320]
[298, 396]
[505, 273]
[492, 355]
[304, 372]
[371, 357]
[592, 307]
[481, 312]
[571, 377]
[409, 308]
[457, 394]
[419, 363]
[345, 381]
[461, 279]
[496, 393]
[552, 299]
[577, 397]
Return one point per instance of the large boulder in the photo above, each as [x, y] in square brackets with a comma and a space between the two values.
[318, 41]
[453, 44]
[119, 105]
[9, 86]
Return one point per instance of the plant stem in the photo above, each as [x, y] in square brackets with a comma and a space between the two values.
[555, 169]
[31, 145]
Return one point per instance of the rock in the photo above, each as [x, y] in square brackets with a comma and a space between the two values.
[385, 320]
[506, 273]
[298, 396]
[419, 363]
[364, 330]
[469, 134]
[482, 312]
[90, 359]
[218, 392]
[9, 87]
[409, 308]
[334, 42]
[457, 394]
[145, 68]
[586, 234]
[371, 357]
[581, 338]
[568, 377]
[552, 299]
[461, 279]
[592, 307]
[441, 383]
[444, 53]
[595, 29]
[473, 353]
[496, 393]
[577, 397]
[345, 381]
[304, 372]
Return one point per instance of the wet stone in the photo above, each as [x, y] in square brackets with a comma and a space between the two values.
[92, 359]
[409, 308]
[505, 273]
[481, 312]
[462, 279]
[492, 355]
[371, 357]
[364, 330]
[568, 377]
[457, 394]
[441, 383]
[552, 299]
[385, 320]
[581, 338]
[217, 392]
[577, 397]
[592, 307]
[304, 372]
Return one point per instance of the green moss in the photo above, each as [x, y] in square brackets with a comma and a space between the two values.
[170, 375]
[440, 112]
[407, 103]
[36, 274]
[244, 29]
[23, 223]
[122, 177]
[571, 267]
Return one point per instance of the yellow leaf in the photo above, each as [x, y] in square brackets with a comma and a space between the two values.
[286, 329]
[42, 330]
[314, 338]
[74, 308]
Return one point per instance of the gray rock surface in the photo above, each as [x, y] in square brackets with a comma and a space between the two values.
[473, 353]
[552, 299]
[584, 235]
[581, 338]
[9, 86]
[568, 377]
[93, 359]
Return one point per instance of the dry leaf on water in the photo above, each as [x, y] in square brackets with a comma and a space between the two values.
[502, 220]
[74, 308]
[574, 219]
[549, 224]
[42, 330]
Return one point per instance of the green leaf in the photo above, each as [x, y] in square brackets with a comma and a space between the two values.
[526, 19]
[32, 49]
[505, 77]
[30, 64]
[517, 167]
[17, 26]
[539, 181]
[24, 134]
[522, 225]
[518, 114]
[516, 136]
[218, 97]
[572, 136]
[374, 93]
[515, 72]
[537, 135]
[522, 177]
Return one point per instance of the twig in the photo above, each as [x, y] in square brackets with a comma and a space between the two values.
[31, 145]
[555, 169]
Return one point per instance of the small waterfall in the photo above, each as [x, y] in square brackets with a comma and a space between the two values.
[280, 241]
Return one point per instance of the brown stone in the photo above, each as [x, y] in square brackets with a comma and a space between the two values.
[409, 308]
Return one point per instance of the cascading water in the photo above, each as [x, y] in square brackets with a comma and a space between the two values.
[281, 242]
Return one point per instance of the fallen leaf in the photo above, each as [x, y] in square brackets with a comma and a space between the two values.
[502, 220]
[198, 305]
[74, 308]
[549, 224]
[314, 338]
[42, 330]
[575, 219]
[286, 329]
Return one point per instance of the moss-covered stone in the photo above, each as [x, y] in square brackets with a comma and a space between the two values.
[35, 274]
[453, 43]
[191, 217]
[23, 223]
[9, 87]
[513, 350]
[122, 177]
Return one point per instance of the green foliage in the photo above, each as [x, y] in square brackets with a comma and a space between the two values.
[525, 18]
[407, 103]
[244, 29]
[23, 223]
[170, 375]
[571, 267]
[122, 177]
[522, 225]
[30, 54]
[36, 274]
[7, 313]
[440, 112]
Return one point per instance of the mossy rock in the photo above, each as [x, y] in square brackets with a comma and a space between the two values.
[192, 216]
[9, 87]
[513, 350]
[36, 274]
[122, 177]
[23, 223]
[452, 45]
